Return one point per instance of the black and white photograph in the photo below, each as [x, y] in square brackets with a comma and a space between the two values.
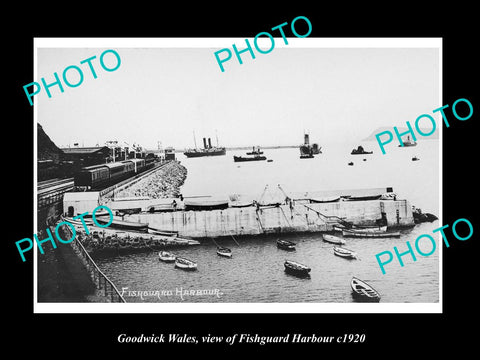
[215, 181]
[262, 185]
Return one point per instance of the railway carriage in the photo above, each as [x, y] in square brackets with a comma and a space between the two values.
[94, 176]
[103, 175]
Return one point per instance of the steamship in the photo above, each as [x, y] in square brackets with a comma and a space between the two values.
[307, 150]
[208, 150]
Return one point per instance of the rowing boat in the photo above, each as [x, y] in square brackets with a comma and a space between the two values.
[355, 233]
[297, 269]
[345, 253]
[166, 256]
[285, 245]
[223, 251]
[185, 264]
[363, 291]
[333, 239]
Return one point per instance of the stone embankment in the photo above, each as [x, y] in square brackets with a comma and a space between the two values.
[164, 183]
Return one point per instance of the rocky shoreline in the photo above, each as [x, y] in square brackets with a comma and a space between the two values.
[162, 184]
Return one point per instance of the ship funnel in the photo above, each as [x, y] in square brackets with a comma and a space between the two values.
[209, 143]
[306, 139]
[205, 143]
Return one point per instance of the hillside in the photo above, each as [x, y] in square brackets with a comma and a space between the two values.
[371, 137]
[46, 149]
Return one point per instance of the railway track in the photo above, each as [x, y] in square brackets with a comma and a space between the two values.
[51, 191]
[47, 184]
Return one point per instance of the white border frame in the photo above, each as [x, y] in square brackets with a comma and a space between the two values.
[189, 308]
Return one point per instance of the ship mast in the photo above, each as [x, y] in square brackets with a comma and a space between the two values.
[194, 140]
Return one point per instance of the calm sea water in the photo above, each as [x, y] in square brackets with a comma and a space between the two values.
[255, 273]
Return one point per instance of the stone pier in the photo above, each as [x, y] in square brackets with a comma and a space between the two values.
[302, 217]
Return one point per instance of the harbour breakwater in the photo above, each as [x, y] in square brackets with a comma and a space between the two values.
[161, 184]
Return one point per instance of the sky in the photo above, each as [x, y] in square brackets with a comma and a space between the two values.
[165, 94]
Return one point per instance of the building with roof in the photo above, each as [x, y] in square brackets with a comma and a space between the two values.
[86, 156]
[75, 203]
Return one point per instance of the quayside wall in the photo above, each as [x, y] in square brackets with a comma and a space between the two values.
[301, 217]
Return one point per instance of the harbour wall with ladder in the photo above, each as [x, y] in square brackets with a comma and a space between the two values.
[301, 217]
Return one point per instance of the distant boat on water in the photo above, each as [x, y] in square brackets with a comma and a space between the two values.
[256, 151]
[249, 158]
[306, 150]
[408, 142]
[207, 150]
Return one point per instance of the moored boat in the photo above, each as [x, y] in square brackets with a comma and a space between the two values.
[297, 269]
[223, 251]
[285, 245]
[166, 256]
[408, 142]
[325, 199]
[363, 291]
[333, 239]
[121, 224]
[358, 228]
[250, 158]
[205, 204]
[256, 151]
[185, 264]
[345, 253]
[370, 229]
[207, 150]
[377, 234]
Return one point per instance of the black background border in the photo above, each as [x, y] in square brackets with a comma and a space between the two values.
[93, 334]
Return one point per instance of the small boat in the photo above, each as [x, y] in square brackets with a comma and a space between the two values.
[269, 160]
[345, 253]
[155, 231]
[205, 203]
[251, 158]
[408, 142]
[185, 264]
[223, 251]
[350, 163]
[240, 204]
[415, 158]
[369, 228]
[333, 239]
[363, 292]
[121, 224]
[377, 234]
[166, 256]
[256, 151]
[364, 197]
[285, 245]
[325, 199]
[297, 269]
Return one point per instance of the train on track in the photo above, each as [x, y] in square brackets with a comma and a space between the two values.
[100, 176]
